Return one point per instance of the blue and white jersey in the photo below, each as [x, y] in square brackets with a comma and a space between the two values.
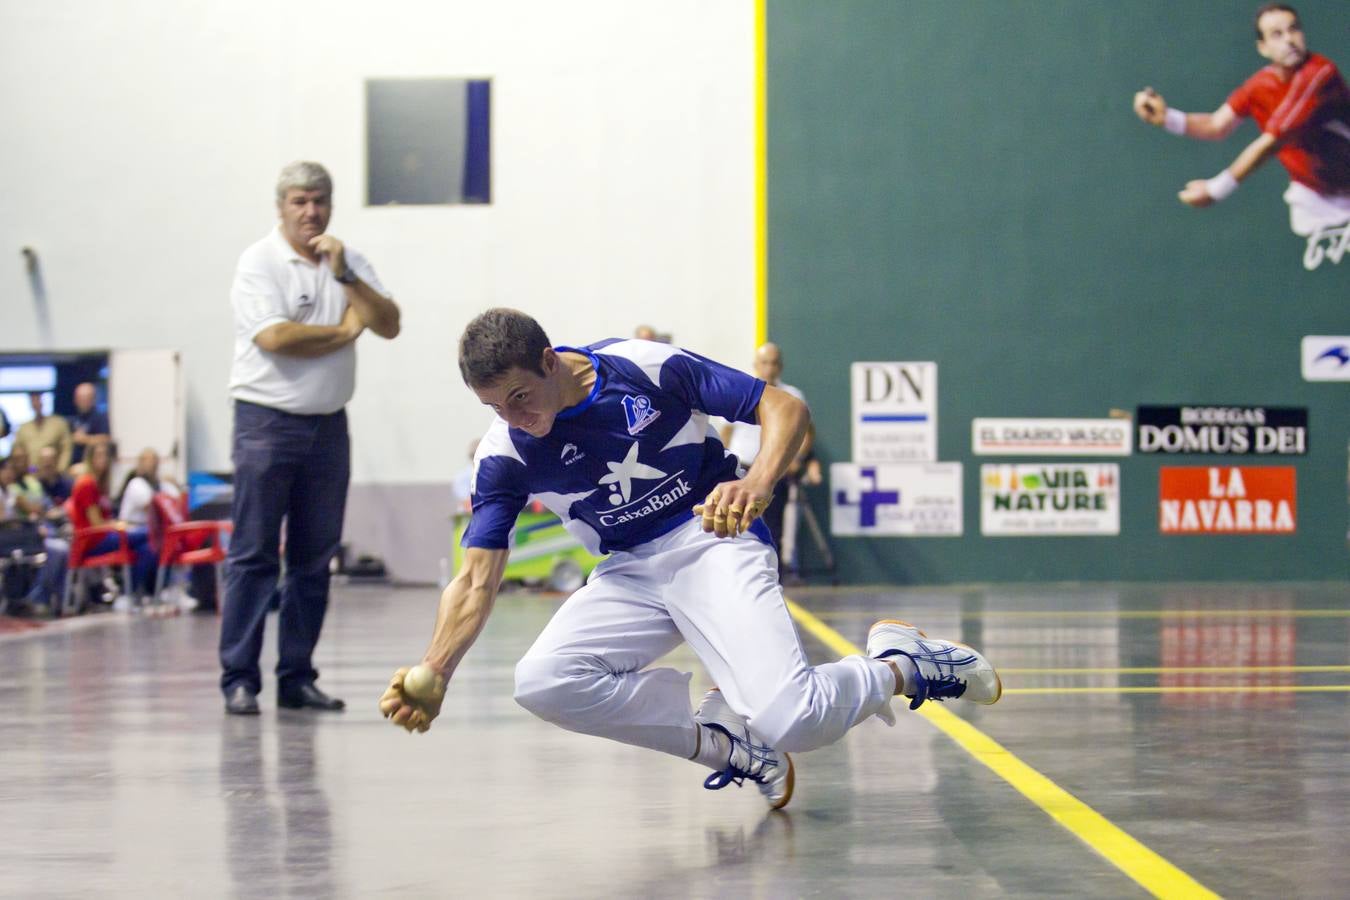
[628, 463]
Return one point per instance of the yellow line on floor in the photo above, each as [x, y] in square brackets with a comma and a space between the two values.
[1176, 670]
[1151, 871]
[1115, 613]
[1191, 689]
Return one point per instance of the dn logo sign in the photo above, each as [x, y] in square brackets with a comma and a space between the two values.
[895, 382]
[894, 411]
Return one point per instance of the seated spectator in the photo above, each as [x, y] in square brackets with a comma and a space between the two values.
[8, 491]
[88, 425]
[44, 431]
[46, 588]
[91, 504]
[55, 485]
[27, 492]
[140, 487]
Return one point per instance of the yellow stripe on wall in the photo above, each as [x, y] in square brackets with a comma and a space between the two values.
[761, 177]
[1155, 874]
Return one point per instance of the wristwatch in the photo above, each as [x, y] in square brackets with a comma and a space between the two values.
[347, 276]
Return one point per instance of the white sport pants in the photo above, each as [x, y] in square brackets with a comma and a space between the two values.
[1310, 211]
[587, 671]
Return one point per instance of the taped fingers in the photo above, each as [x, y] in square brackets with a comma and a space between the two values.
[754, 512]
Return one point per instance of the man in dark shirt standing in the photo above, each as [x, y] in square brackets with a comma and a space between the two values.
[88, 426]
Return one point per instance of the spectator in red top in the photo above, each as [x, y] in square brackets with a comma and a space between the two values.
[1302, 105]
[90, 504]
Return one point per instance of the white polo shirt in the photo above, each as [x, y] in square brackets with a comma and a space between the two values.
[272, 284]
[744, 441]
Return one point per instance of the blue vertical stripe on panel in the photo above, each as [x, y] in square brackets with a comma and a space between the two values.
[478, 144]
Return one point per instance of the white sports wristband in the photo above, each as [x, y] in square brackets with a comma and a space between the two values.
[1174, 120]
[1221, 185]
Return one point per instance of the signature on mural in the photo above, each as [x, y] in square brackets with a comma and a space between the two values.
[1326, 243]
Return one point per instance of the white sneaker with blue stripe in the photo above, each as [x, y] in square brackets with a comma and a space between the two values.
[751, 760]
[944, 670]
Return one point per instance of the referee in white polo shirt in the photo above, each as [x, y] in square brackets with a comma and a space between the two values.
[301, 299]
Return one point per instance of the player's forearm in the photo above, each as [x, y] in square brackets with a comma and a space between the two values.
[784, 421]
[308, 341]
[465, 606]
[808, 442]
[1207, 127]
[1252, 156]
[380, 314]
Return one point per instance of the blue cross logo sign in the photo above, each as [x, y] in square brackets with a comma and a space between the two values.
[868, 500]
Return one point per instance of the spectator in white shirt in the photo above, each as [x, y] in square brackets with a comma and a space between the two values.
[140, 487]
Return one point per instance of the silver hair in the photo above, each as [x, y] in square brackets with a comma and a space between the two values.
[303, 175]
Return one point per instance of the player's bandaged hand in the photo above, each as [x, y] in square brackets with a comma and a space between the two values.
[732, 507]
[1150, 106]
[1196, 193]
[408, 712]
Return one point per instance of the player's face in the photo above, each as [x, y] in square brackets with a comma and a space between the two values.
[304, 215]
[524, 399]
[1282, 41]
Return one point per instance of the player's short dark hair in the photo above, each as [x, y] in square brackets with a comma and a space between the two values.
[1269, 8]
[497, 341]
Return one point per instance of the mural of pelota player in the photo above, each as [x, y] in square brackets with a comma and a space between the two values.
[1302, 105]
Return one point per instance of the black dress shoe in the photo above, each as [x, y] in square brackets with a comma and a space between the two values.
[240, 701]
[309, 697]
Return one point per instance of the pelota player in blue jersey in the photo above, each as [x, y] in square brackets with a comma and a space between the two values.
[614, 439]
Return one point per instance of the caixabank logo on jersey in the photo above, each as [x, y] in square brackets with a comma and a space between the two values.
[1227, 499]
[1223, 430]
[1048, 499]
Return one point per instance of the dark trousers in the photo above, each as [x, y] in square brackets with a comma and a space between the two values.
[285, 467]
[773, 516]
[147, 561]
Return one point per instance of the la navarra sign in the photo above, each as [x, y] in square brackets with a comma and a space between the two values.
[1227, 500]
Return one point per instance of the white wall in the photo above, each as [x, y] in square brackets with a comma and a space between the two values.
[143, 138]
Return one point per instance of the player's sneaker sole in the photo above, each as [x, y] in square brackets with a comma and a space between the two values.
[771, 770]
[945, 673]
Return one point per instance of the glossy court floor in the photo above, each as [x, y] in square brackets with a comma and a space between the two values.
[1168, 739]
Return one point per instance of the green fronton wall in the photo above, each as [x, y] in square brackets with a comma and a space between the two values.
[966, 183]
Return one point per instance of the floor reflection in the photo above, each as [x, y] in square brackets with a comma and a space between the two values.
[278, 826]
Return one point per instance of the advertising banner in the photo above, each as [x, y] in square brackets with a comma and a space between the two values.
[1326, 357]
[887, 499]
[894, 411]
[1227, 499]
[1224, 430]
[1050, 437]
[1047, 499]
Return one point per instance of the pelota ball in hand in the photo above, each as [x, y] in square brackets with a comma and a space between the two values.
[420, 683]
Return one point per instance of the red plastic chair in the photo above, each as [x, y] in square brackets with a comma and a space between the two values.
[85, 540]
[183, 543]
